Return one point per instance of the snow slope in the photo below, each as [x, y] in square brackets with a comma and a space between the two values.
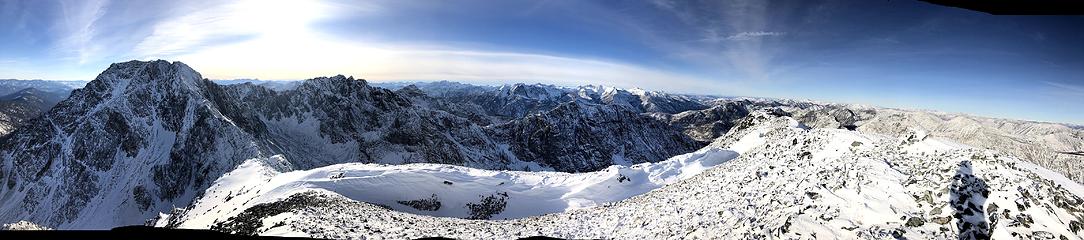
[454, 187]
[789, 182]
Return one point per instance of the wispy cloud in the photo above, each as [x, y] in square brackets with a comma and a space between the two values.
[733, 34]
[280, 39]
[744, 36]
[307, 56]
[78, 28]
[1065, 89]
[712, 36]
[276, 40]
[236, 20]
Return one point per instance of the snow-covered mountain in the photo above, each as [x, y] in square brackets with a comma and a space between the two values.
[787, 181]
[141, 137]
[144, 137]
[22, 100]
[708, 124]
[9, 86]
[17, 108]
[519, 100]
[573, 136]
[278, 85]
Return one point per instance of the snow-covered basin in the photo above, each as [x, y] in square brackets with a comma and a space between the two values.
[526, 193]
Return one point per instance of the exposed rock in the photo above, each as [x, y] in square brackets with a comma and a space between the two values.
[427, 204]
[915, 222]
[487, 206]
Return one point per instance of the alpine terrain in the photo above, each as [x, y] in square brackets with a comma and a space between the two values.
[155, 143]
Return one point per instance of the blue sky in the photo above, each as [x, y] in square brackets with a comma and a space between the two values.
[906, 54]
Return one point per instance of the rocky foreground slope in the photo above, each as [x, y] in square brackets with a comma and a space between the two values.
[788, 182]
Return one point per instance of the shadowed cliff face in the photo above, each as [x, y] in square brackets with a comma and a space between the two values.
[574, 136]
[708, 124]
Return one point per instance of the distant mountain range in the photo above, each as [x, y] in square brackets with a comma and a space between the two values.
[9, 86]
[22, 100]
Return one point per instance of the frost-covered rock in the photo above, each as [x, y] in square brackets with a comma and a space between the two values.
[22, 226]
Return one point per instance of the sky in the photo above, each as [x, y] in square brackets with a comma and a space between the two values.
[904, 54]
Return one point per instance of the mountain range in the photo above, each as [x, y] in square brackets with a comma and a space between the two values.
[146, 136]
[22, 100]
[156, 143]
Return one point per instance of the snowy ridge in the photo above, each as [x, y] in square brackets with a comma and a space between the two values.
[789, 182]
[519, 100]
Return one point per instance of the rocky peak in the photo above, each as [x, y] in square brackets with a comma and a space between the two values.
[411, 91]
[158, 72]
[334, 80]
[532, 91]
[589, 92]
[621, 97]
[137, 83]
[338, 85]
